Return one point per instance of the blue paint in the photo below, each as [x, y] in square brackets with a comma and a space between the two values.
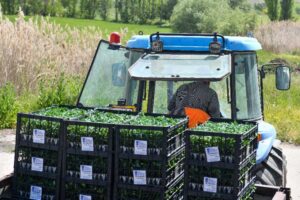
[268, 134]
[195, 43]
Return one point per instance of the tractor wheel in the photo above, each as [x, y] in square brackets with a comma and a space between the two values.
[273, 170]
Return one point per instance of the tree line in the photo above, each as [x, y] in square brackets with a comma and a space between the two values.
[134, 11]
[280, 10]
[140, 11]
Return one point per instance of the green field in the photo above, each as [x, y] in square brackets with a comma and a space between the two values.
[105, 26]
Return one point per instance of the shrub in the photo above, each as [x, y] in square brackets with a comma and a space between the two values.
[59, 91]
[204, 16]
[8, 106]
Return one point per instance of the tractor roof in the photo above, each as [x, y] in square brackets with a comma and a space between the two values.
[195, 43]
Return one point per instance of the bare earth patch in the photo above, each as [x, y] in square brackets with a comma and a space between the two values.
[7, 146]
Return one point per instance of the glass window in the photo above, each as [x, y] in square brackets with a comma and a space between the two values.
[108, 79]
[164, 91]
[246, 86]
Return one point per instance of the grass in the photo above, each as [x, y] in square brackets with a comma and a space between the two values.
[105, 26]
[267, 56]
[282, 109]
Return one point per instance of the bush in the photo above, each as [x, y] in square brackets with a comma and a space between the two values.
[59, 91]
[8, 106]
[211, 16]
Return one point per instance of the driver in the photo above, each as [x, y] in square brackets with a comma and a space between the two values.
[195, 96]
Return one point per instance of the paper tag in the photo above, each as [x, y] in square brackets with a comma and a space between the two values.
[38, 136]
[35, 192]
[85, 197]
[212, 154]
[37, 164]
[139, 177]
[140, 147]
[87, 144]
[86, 172]
[210, 184]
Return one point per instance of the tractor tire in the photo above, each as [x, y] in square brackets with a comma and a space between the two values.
[273, 170]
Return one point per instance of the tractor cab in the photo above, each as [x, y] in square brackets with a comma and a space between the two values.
[144, 75]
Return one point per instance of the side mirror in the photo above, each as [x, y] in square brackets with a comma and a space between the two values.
[283, 78]
[119, 73]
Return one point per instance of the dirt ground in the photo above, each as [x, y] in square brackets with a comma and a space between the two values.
[7, 146]
[292, 152]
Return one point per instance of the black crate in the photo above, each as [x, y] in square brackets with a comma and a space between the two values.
[98, 185]
[162, 160]
[235, 170]
[49, 149]
[28, 123]
[172, 192]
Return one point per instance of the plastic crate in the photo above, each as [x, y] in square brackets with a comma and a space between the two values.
[39, 131]
[37, 155]
[154, 153]
[34, 187]
[34, 167]
[173, 192]
[87, 160]
[228, 178]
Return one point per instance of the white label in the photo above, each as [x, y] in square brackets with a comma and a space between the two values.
[86, 172]
[140, 147]
[87, 144]
[35, 192]
[85, 197]
[210, 184]
[212, 154]
[38, 136]
[37, 164]
[139, 177]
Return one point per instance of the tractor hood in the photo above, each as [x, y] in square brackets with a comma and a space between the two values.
[181, 67]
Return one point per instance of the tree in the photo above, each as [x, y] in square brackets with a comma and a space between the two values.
[70, 7]
[88, 8]
[287, 7]
[104, 6]
[273, 8]
[9, 6]
[198, 15]
[202, 16]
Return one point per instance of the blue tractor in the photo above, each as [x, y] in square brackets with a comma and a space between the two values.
[144, 74]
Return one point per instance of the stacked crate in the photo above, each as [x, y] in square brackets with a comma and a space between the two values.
[37, 157]
[38, 152]
[149, 162]
[87, 161]
[220, 165]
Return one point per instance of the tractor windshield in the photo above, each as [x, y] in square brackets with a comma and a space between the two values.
[107, 80]
[166, 89]
[247, 101]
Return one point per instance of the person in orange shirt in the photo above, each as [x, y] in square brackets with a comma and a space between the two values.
[196, 100]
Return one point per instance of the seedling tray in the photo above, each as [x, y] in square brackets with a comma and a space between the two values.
[234, 170]
[161, 159]
[87, 144]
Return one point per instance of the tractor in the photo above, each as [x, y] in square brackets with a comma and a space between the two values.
[144, 75]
